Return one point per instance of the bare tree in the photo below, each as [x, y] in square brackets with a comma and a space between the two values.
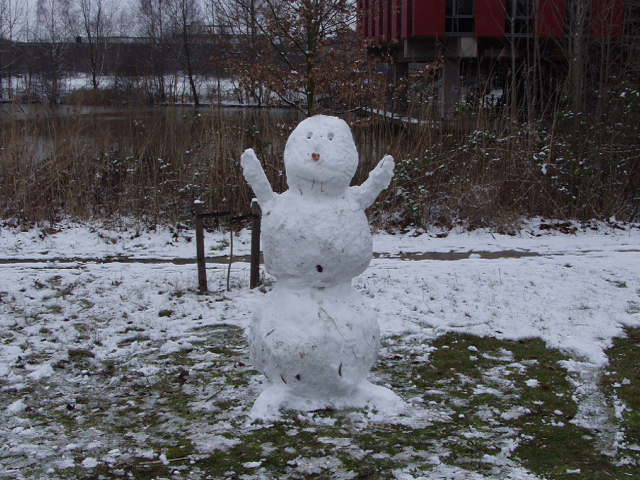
[220, 27]
[154, 25]
[53, 29]
[11, 16]
[299, 33]
[96, 18]
[532, 84]
[184, 18]
[579, 14]
[291, 46]
[124, 20]
[241, 19]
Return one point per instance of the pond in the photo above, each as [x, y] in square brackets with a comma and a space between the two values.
[34, 111]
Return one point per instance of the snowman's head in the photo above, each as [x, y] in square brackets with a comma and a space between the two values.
[321, 155]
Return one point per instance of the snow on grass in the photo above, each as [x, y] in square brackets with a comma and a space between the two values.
[207, 86]
[122, 369]
[574, 302]
[535, 235]
[125, 238]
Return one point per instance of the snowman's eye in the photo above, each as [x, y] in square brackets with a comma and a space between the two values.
[309, 135]
[330, 136]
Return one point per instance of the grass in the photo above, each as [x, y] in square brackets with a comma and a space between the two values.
[479, 405]
[622, 383]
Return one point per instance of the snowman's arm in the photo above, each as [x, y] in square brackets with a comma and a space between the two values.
[255, 176]
[379, 179]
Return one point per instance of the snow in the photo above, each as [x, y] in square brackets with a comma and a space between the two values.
[536, 235]
[211, 443]
[16, 407]
[89, 462]
[42, 371]
[323, 242]
[575, 291]
[209, 88]
[123, 238]
[171, 346]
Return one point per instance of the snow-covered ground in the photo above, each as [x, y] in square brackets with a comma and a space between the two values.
[92, 354]
[128, 238]
[19, 84]
[210, 89]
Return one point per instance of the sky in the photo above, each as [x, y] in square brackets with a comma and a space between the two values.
[30, 22]
[124, 21]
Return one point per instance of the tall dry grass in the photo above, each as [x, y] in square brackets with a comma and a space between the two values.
[143, 163]
[478, 168]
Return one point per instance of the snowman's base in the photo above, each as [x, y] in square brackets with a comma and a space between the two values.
[276, 398]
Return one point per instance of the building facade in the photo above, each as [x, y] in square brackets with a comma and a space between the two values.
[458, 31]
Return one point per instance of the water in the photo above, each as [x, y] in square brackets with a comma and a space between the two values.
[36, 111]
[42, 129]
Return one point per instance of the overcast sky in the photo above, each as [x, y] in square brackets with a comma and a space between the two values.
[31, 6]
[121, 26]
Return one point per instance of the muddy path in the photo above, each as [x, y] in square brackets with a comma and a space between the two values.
[224, 259]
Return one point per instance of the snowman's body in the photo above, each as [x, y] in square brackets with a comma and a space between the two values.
[313, 337]
[318, 347]
[315, 242]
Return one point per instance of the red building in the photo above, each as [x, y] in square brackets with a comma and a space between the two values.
[487, 31]
[389, 21]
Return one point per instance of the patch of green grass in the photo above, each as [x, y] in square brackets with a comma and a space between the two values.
[522, 373]
[555, 452]
[220, 245]
[174, 400]
[622, 381]
[54, 309]
[251, 450]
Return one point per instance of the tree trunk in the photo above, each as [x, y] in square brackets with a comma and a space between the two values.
[187, 55]
[94, 66]
[579, 52]
[1, 80]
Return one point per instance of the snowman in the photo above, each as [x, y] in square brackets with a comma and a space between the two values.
[312, 336]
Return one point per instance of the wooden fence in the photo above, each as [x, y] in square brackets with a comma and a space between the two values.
[254, 215]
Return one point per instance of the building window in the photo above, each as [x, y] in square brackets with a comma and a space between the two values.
[459, 16]
[520, 17]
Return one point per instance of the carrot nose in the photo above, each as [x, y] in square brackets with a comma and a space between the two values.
[315, 156]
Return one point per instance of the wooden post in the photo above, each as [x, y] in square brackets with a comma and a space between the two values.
[202, 267]
[255, 245]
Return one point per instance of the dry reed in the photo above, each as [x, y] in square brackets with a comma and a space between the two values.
[479, 168]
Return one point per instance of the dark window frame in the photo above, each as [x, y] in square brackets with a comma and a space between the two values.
[522, 23]
[460, 17]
